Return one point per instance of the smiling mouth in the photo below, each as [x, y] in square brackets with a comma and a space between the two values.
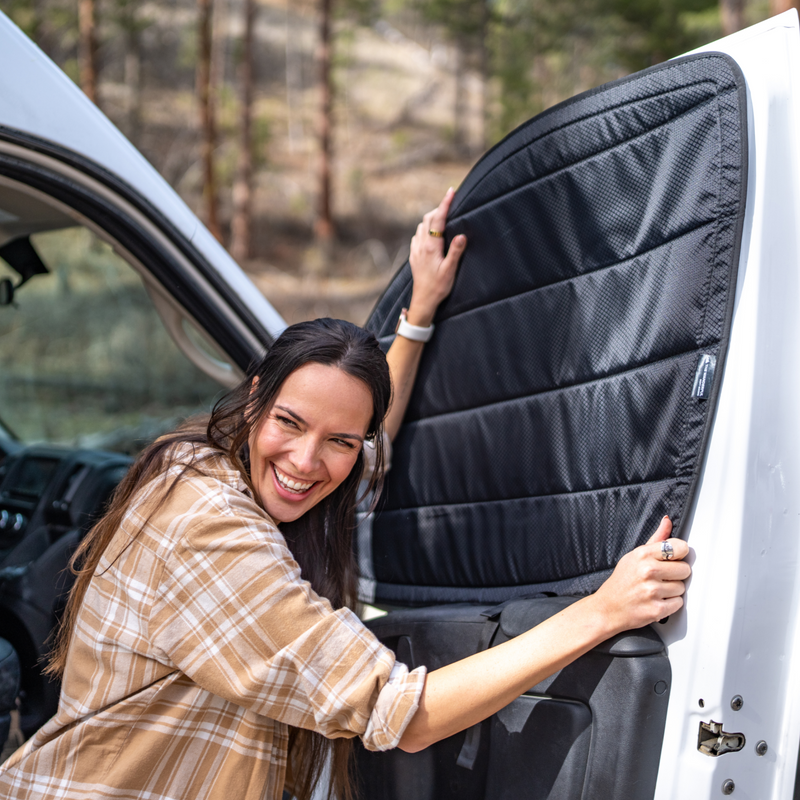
[289, 484]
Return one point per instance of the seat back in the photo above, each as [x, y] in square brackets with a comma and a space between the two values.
[9, 687]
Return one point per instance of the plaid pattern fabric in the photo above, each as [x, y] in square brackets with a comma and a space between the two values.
[197, 643]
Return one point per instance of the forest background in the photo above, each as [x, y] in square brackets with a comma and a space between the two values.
[311, 135]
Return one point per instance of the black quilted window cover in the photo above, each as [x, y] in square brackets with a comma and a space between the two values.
[553, 421]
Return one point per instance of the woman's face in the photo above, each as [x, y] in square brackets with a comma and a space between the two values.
[308, 442]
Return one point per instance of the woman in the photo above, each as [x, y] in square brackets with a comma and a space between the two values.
[196, 656]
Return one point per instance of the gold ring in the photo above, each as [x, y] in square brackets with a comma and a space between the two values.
[437, 234]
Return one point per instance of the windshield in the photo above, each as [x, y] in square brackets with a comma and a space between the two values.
[84, 358]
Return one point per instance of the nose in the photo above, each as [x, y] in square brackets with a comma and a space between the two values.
[305, 458]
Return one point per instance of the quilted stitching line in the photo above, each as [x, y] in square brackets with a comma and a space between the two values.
[518, 589]
[387, 337]
[554, 390]
[547, 175]
[585, 98]
[588, 273]
[672, 479]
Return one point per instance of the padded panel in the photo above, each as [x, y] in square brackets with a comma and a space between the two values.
[539, 749]
[592, 730]
[553, 421]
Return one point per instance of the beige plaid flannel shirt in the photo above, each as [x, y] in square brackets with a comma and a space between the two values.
[197, 644]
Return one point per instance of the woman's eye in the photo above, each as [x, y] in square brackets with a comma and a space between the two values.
[286, 421]
[349, 445]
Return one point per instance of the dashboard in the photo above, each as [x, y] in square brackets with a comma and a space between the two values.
[54, 490]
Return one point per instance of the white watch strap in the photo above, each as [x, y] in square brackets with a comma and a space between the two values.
[414, 332]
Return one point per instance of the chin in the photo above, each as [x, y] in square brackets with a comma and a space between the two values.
[280, 514]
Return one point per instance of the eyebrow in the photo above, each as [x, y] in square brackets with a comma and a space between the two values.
[303, 422]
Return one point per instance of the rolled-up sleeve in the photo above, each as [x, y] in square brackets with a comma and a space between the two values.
[397, 702]
[233, 613]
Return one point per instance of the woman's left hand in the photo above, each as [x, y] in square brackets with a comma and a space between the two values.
[644, 587]
[433, 272]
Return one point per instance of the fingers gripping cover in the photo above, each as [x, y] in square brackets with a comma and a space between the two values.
[564, 403]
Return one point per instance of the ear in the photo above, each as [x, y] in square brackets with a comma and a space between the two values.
[247, 412]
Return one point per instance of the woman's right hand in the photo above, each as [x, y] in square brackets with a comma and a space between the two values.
[644, 587]
[433, 272]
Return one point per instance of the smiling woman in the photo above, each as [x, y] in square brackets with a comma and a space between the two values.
[209, 648]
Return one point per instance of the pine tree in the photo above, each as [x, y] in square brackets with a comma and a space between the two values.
[205, 96]
[87, 48]
[243, 185]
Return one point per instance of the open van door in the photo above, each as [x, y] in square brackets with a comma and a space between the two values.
[622, 343]
[119, 315]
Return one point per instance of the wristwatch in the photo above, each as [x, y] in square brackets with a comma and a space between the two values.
[414, 332]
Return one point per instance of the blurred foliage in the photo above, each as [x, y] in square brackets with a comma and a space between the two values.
[23, 12]
[528, 48]
[655, 31]
[491, 65]
[53, 24]
[465, 21]
[525, 49]
[130, 16]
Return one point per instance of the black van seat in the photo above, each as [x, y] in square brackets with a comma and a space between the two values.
[9, 687]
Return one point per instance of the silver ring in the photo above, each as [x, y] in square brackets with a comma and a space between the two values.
[667, 551]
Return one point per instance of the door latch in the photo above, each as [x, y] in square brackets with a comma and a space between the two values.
[713, 741]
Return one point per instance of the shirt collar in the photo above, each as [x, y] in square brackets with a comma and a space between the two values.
[215, 464]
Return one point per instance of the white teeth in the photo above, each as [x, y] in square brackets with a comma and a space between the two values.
[291, 485]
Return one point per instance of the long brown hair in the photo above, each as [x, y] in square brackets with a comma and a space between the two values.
[320, 540]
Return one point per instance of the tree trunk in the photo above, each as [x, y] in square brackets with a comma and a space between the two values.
[294, 83]
[132, 70]
[323, 226]
[459, 102]
[219, 36]
[243, 185]
[207, 121]
[779, 6]
[87, 48]
[484, 65]
[732, 13]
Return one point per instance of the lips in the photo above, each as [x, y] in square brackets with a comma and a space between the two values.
[297, 488]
